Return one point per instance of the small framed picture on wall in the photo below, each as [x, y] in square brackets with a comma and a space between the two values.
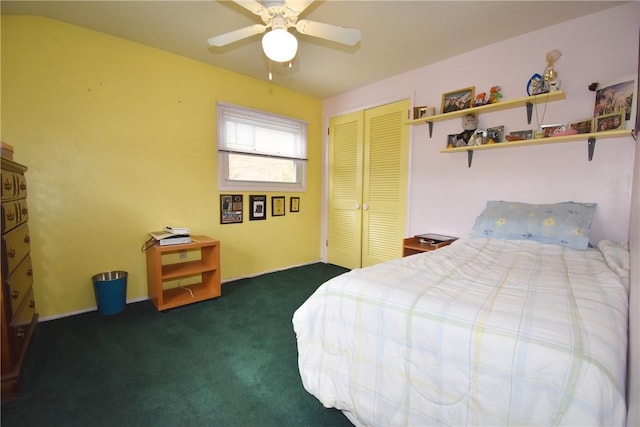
[258, 207]
[294, 205]
[277, 206]
[230, 208]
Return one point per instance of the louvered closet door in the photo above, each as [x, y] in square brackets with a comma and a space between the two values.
[345, 190]
[368, 157]
[386, 153]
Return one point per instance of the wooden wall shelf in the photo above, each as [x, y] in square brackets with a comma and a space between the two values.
[526, 101]
[589, 137]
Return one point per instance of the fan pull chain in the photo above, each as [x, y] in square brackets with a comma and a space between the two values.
[270, 75]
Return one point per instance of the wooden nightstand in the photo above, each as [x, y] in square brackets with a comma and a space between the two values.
[412, 246]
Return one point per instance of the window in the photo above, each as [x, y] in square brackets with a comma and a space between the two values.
[260, 151]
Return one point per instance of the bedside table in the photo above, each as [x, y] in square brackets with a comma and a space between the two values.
[412, 246]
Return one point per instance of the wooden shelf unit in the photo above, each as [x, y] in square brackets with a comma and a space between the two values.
[207, 267]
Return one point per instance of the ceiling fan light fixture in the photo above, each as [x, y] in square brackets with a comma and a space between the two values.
[279, 45]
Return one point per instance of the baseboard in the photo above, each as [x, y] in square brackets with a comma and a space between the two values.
[233, 279]
[74, 313]
[134, 300]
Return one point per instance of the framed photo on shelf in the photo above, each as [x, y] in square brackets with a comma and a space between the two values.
[615, 97]
[277, 205]
[294, 204]
[258, 207]
[457, 100]
[419, 112]
[495, 133]
[520, 135]
[452, 140]
[609, 122]
[548, 130]
[230, 208]
[582, 126]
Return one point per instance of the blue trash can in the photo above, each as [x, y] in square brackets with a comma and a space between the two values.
[111, 291]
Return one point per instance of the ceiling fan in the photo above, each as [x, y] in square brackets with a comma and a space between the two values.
[279, 44]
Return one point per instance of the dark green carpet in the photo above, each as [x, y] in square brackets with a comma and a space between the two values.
[231, 361]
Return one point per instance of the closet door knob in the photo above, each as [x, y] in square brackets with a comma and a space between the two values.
[357, 205]
[365, 207]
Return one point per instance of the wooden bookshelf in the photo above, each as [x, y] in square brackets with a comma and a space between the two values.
[206, 268]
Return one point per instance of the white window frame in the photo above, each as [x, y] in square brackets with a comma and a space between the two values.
[246, 116]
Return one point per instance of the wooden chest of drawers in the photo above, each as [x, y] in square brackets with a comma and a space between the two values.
[17, 304]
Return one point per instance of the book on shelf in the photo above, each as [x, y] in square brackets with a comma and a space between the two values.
[436, 240]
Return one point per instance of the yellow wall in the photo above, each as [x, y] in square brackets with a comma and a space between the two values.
[120, 139]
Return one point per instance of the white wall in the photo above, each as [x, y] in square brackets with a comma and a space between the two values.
[446, 195]
[633, 386]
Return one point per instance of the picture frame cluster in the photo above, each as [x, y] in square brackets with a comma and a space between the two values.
[232, 207]
[613, 106]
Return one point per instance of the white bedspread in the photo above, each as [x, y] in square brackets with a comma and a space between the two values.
[482, 332]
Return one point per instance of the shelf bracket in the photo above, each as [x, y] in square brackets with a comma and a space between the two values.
[591, 146]
[469, 157]
[430, 129]
[529, 112]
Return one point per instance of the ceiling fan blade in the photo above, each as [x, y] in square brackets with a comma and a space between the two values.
[297, 6]
[331, 32]
[252, 6]
[234, 36]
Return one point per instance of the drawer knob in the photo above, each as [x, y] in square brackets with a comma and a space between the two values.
[27, 238]
[11, 253]
[24, 210]
[15, 294]
[20, 333]
[11, 216]
[32, 303]
[8, 185]
[23, 186]
[30, 272]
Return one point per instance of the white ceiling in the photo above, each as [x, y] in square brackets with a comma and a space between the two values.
[397, 36]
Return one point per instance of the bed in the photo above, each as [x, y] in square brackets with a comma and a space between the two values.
[490, 330]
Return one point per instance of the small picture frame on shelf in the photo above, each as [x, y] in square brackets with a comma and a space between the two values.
[258, 206]
[294, 204]
[519, 135]
[548, 130]
[230, 208]
[277, 206]
[456, 140]
[495, 134]
[582, 126]
[420, 112]
[457, 100]
[609, 122]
